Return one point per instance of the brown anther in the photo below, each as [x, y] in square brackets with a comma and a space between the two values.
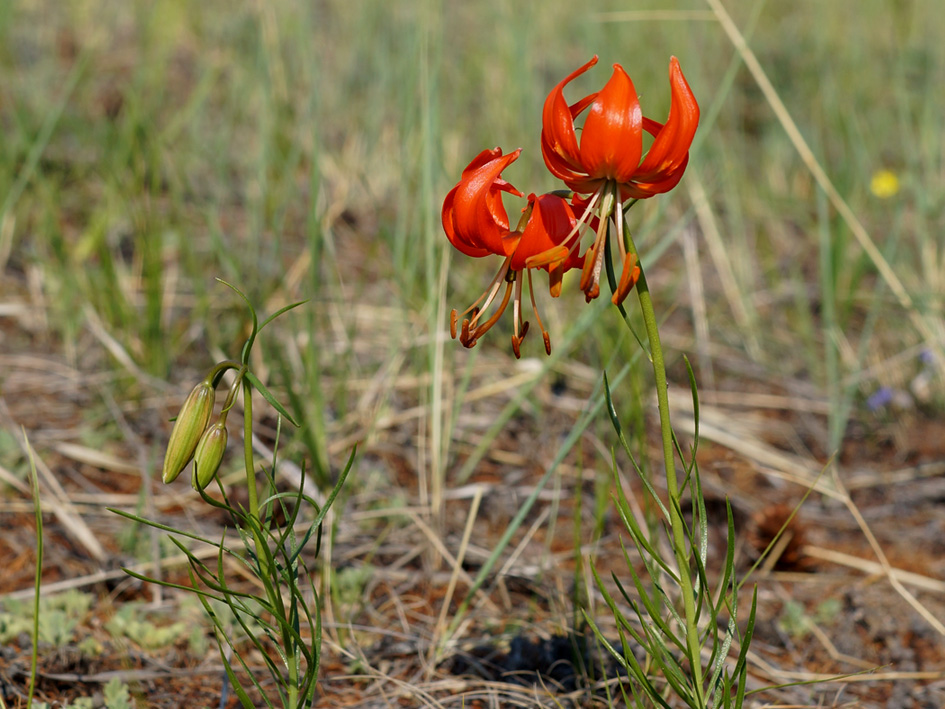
[628, 279]
[588, 269]
[479, 329]
[464, 334]
[547, 342]
[555, 277]
[454, 317]
[552, 255]
[518, 339]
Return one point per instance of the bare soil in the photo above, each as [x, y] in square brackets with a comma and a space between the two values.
[856, 587]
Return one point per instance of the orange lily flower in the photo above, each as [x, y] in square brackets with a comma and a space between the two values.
[476, 223]
[606, 165]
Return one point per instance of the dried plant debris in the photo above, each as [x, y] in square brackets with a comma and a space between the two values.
[778, 532]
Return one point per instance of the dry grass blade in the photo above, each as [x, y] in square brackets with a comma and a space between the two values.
[888, 570]
[97, 458]
[445, 553]
[59, 504]
[440, 626]
[723, 265]
[145, 568]
[721, 427]
[926, 583]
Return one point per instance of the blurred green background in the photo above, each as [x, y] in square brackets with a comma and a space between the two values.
[301, 150]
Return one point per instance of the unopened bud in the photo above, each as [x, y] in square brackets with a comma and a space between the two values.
[209, 455]
[189, 426]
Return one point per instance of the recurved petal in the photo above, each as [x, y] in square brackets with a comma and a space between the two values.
[612, 138]
[474, 218]
[642, 190]
[557, 122]
[456, 239]
[670, 148]
[559, 166]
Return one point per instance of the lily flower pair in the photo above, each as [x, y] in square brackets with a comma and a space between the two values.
[605, 172]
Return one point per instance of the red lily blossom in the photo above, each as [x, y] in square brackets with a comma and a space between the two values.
[606, 164]
[476, 223]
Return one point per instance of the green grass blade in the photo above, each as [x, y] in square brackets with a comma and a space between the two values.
[38, 575]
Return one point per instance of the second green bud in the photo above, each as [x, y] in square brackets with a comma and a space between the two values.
[209, 455]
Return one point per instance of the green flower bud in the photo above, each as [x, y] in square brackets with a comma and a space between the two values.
[209, 455]
[189, 426]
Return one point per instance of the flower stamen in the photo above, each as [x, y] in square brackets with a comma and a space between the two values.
[631, 271]
[472, 333]
[544, 333]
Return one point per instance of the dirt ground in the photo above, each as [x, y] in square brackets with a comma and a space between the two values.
[856, 586]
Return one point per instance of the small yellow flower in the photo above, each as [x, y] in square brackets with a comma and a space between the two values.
[885, 184]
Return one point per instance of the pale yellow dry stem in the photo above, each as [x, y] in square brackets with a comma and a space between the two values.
[834, 652]
[438, 411]
[721, 259]
[440, 626]
[115, 349]
[888, 570]
[96, 458]
[274, 49]
[699, 310]
[437, 544]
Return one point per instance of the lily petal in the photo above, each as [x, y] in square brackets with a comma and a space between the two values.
[612, 138]
[670, 149]
[473, 216]
[558, 141]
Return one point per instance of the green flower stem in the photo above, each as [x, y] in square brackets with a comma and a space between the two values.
[248, 461]
[260, 541]
[216, 374]
[677, 525]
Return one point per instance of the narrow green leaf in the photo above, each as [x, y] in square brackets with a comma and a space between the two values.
[695, 409]
[741, 664]
[234, 683]
[280, 311]
[162, 527]
[618, 428]
[268, 396]
[248, 345]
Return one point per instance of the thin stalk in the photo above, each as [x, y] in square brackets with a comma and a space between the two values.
[248, 462]
[677, 525]
[292, 700]
[38, 579]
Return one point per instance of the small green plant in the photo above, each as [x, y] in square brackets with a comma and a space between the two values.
[283, 621]
[132, 621]
[797, 622]
[117, 695]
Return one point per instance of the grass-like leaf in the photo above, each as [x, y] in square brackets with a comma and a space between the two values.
[615, 420]
[268, 396]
